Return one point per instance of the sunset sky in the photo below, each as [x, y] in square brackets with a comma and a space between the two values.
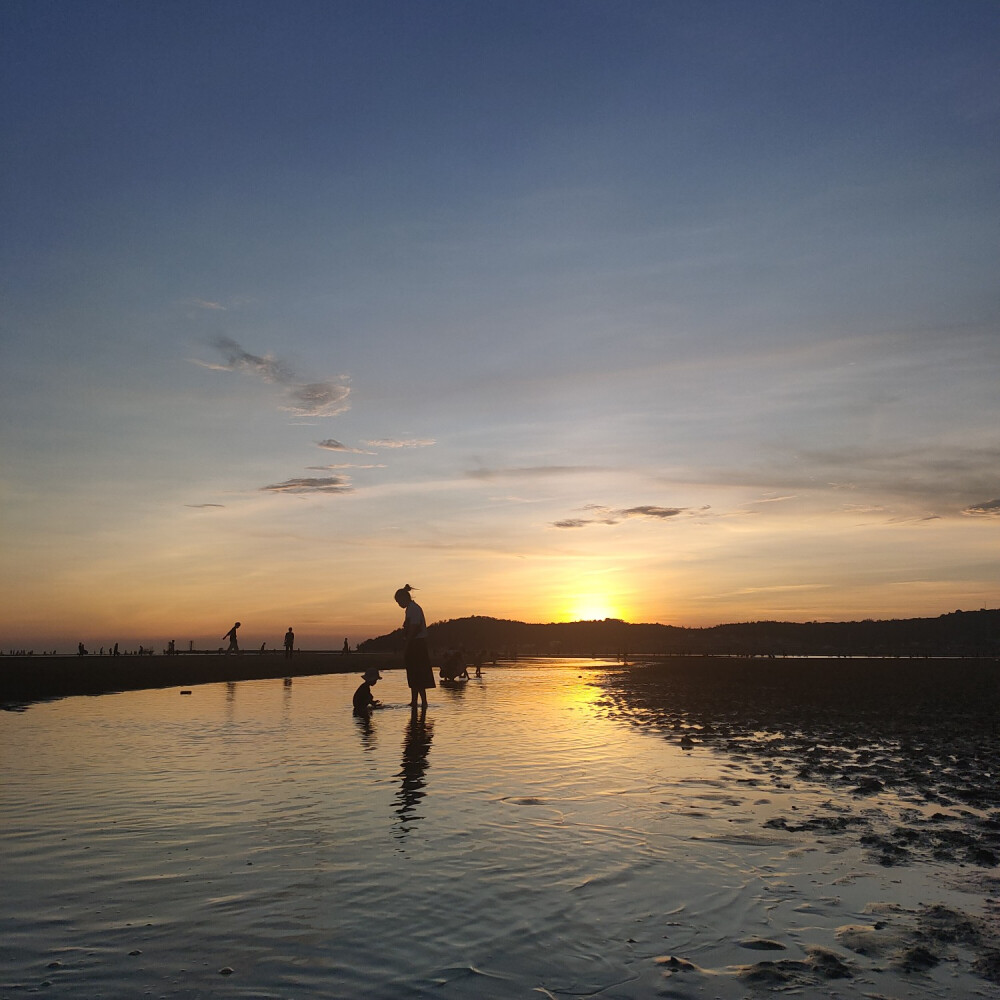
[677, 311]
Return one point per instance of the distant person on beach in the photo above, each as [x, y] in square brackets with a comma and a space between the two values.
[231, 636]
[289, 643]
[80, 649]
[346, 649]
[116, 653]
[418, 665]
[364, 702]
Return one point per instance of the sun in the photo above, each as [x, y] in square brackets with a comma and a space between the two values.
[592, 607]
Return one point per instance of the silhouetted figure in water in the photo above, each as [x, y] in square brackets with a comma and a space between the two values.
[80, 650]
[454, 666]
[416, 746]
[234, 646]
[289, 643]
[116, 653]
[364, 701]
[346, 648]
[418, 665]
[171, 648]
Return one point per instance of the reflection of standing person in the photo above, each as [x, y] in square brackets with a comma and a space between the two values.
[418, 665]
[289, 643]
[231, 636]
[416, 746]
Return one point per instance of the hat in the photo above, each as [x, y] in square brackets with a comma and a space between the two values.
[371, 675]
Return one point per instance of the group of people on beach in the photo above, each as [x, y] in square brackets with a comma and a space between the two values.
[416, 658]
[288, 642]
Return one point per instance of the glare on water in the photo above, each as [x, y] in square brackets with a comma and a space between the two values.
[256, 839]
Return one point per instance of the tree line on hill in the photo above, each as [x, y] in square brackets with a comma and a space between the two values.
[959, 633]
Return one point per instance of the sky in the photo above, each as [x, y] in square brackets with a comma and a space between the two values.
[663, 310]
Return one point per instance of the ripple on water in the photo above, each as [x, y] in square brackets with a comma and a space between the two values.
[519, 841]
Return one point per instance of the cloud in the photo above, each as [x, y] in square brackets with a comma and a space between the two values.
[657, 513]
[401, 443]
[203, 304]
[609, 515]
[199, 506]
[310, 399]
[331, 445]
[532, 471]
[343, 465]
[989, 507]
[327, 484]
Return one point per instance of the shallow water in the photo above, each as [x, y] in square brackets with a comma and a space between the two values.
[519, 840]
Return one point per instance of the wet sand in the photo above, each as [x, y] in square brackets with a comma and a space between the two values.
[25, 679]
[899, 757]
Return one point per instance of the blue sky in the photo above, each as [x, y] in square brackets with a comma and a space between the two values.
[678, 312]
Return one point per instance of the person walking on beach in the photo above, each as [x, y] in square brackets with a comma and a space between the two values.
[231, 636]
[419, 676]
[289, 643]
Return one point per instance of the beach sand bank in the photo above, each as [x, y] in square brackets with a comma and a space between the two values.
[25, 679]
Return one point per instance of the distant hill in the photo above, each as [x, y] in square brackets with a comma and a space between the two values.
[960, 633]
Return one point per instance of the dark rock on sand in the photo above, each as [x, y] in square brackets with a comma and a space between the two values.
[916, 959]
[820, 965]
[987, 965]
[762, 944]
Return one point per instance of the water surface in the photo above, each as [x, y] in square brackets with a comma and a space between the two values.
[519, 840]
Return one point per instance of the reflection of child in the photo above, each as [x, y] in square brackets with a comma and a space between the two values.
[363, 700]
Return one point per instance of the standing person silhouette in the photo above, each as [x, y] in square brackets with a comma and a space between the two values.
[231, 636]
[289, 643]
[419, 676]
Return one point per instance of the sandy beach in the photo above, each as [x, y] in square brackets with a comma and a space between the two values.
[30, 678]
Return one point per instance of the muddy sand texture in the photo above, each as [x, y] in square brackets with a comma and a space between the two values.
[922, 733]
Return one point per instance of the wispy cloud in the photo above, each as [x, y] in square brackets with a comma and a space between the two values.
[204, 304]
[615, 515]
[331, 445]
[532, 472]
[311, 399]
[201, 506]
[327, 484]
[343, 465]
[401, 443]
[990, 507]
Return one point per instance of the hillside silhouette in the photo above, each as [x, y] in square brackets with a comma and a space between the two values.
[959, 633]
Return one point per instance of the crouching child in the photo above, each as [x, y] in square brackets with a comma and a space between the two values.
[364, 702]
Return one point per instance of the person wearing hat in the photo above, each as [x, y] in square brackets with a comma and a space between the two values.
[363, 700]
[419, 676]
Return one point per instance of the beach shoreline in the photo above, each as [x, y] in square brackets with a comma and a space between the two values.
[706, 681]
[25, 679]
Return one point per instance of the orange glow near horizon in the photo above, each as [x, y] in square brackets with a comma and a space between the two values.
[591, 606]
